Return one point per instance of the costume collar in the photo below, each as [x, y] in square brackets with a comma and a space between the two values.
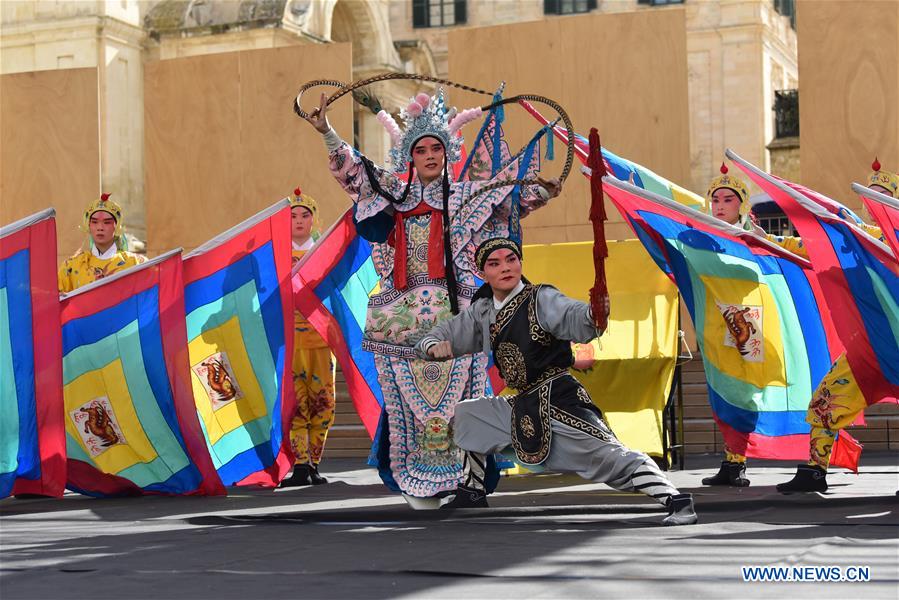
[110, 252]
[307, 245]
[498, 305]
[432, 195]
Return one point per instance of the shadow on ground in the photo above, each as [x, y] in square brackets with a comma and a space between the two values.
[547, 535]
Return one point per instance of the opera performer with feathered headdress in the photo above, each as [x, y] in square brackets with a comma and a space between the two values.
[425, 228]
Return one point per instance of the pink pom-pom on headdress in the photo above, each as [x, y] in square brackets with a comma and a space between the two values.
[390, 125]
[463, 118]
[423, 99]
[414, 109]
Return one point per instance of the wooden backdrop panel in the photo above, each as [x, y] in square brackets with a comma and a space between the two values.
[50, 148]
[625, 74]
[848, 92]
[222, 141]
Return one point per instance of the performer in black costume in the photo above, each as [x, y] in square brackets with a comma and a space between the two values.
[551, 421]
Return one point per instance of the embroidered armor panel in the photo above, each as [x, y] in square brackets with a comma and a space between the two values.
[528, 356]
[522, 349]
[536, 363]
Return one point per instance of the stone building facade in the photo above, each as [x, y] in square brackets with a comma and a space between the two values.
[739, 53]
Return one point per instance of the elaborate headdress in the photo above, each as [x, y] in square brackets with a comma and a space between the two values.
[425, 116]
[490, 246]
[307, 202]
[483, 252]
[737, 186]
[304, 200]
[885, 179]
[105, 204]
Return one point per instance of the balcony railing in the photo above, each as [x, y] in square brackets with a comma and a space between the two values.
[786, 113]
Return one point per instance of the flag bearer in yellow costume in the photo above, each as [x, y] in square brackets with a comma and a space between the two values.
[879, 181]
[883, 181]
[105, 250]
[313, 365]
[728, 199]
[837, 402]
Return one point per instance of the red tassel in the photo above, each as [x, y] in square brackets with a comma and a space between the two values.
[104, 197]
[876, 164]
[297, 192]
[723, 169]
[599, 292]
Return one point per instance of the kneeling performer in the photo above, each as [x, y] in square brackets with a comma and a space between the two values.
[551, 421]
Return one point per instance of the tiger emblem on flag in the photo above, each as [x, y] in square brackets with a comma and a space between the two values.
[743, 330]
[97, 425]
[217, 377]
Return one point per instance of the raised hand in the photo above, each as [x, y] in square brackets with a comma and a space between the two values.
[318, 117]
[553, 186]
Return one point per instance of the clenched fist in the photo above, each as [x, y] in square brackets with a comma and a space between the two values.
[441, 350]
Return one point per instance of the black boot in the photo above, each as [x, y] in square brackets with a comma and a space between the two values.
[807, 479]
[680, 510]
[730, 473]
[467, 497]
[299, 477]
[314, 476]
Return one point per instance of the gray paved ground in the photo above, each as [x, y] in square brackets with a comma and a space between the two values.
[546, 536]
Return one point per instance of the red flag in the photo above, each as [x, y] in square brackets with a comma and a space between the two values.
[599, 293]
[34, 440]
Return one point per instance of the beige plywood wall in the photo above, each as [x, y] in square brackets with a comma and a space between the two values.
[222, 141]
[848, 92]
[625, 74]
[50, 148]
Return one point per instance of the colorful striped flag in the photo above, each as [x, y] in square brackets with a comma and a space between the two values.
[860, 279]
[648, 180]
[240, 338]
[32, 436]
[765, 337]
[331, 286]
[131, 425]
[885, 212]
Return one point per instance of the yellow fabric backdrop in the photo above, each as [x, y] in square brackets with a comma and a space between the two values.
[629, 372]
